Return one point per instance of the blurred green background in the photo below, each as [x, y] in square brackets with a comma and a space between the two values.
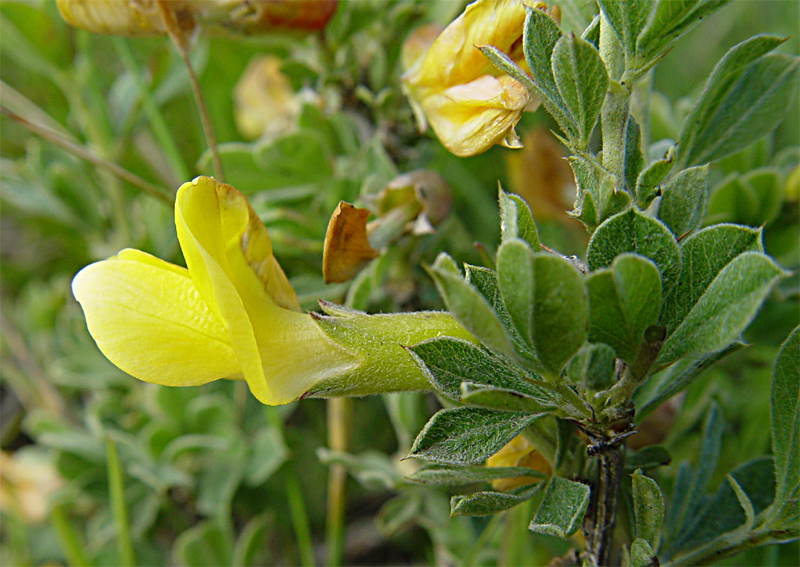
[205, 474]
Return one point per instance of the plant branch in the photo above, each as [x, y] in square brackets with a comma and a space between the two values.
[598, 524]
[173, 30]
[86, 154]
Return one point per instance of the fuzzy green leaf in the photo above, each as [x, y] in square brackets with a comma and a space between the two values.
[691, 482]
[449, 362]
[562, 508]
[703, 255]
[506, 65]
[459, 476]
[467, 436]
[642, 555]
[648, 507]
[627, 20]
[677, 378]
[547, 300]
[728, 509]
[648, 457]
[746, 97]
[468, 306]
[485, 281]
[516, 220]
[624, 300]
[632, 231]
[489, 502]
[582, 80]
[539, 37]
[593, 367]
[650, 177]
[683, 203]
[724, 310]
[785, 408]
[506, 400]
[670, 20]
[753, 199]
[515, 280]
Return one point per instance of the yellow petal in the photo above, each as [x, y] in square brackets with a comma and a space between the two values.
[149, 320]
[229, 255]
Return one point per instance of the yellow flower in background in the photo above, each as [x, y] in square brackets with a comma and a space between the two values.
[518, 453]
[470, 104]
[265, 104]
[144, 17]
[232, 314]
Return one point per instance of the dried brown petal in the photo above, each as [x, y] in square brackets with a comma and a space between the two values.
[347, 250]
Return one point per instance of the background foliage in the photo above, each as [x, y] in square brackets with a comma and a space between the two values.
[201, 473]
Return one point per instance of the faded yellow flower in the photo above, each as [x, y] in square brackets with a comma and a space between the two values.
[145, 17]
[453, 87]
[265, 102]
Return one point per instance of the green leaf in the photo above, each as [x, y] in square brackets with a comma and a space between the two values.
[675, 379]
[506, 65]
[691, 483]
[582, 80]
[449, 362]
[670, 20]
[632, 231]
[593, 367]
[623, 301]
[489, 502]
[485, 281]
[650, 177]
[633, 159]
[547, 301]
[516, 220]
[724, 310]
[294, 159]
[683, 202]
[562, 508]
[753, 199]
[648, 457]
[251, 544]
[648, 507]
[747, 96]
[204, 545]
[627, 20]
[515, 280]
[470, 475]
[269, 453]
[372, 469]
[467, 436]
[703, 255]
[468, 306]
[785, 409]
[505, 399]
[642, 555]
[751, 491]
[539, 37]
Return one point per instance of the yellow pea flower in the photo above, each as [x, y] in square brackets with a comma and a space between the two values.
[469, 103]
[518, 453]
[232, 314]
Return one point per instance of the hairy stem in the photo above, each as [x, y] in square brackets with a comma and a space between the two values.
[598, 524]
[179, 40]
